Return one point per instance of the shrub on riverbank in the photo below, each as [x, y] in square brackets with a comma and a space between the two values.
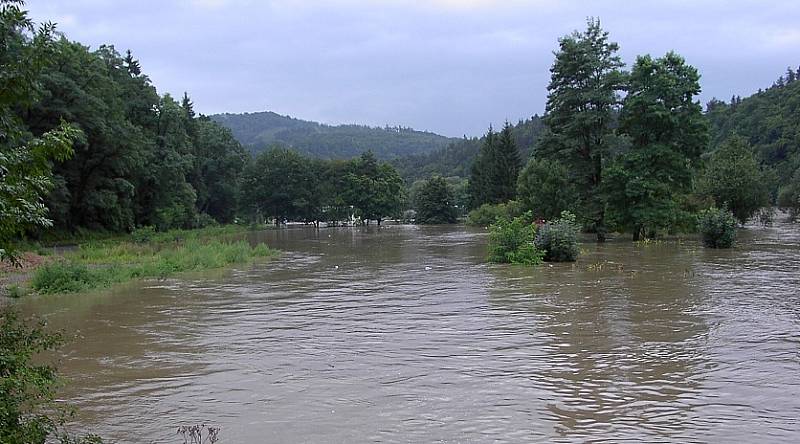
[717, 228]
[559, 239]
[101, 265]
[511, 241]
[28, 410]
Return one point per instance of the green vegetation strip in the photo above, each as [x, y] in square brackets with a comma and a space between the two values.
[149, 255]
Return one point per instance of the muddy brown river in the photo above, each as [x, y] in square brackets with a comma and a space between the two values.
[405, 334]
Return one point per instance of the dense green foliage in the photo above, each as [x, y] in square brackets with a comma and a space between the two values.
[283, 185]
[149, 160]
[621, 150]
[25, 170]
[511, 241]
[28, 412]
[145, 160]
[374, 190]
[768, 121]
[26, 389]
[262, 130]
[667, 134]
[583, 96]
[544, 189]
[559, 239]
[734, 179]
[789, 197]
[137, 158]
[435, 203]
[488, 214]
[717, 228]
[493, 174]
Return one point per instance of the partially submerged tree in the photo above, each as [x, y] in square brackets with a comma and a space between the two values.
[434, 203]
[734, 179]
[583, 96]
[667, 133]
[494, 172]
[545, 189]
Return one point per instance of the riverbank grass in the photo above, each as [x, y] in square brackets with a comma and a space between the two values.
[103, 264]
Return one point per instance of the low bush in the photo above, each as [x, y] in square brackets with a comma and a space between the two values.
[511, 241]
[15, 291]
[63, 277]
[29, 411]
[559, 239]
[143, 235]
[204, 220]
[717, 228]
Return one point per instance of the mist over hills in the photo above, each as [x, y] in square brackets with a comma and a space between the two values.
[261, 130]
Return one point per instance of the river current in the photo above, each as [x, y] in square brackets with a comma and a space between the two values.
[405, 334]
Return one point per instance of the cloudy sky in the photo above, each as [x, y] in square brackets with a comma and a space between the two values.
[449, 66]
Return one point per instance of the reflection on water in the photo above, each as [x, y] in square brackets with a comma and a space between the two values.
[403, 334]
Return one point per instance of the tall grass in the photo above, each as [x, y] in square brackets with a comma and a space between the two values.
[103, 264]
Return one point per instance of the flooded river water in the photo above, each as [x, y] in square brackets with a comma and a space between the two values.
[405, 334]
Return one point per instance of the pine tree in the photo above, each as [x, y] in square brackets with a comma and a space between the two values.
[131, 64]
[187, 105]
[505, 166]
[583, 96]
[480, 186]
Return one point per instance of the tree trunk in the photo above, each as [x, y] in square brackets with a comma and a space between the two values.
[600, 228]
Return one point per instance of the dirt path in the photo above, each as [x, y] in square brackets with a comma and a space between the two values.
[11, 274]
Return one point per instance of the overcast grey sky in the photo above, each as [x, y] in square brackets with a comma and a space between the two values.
[449, 66]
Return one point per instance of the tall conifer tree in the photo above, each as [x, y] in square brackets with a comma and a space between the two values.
[506, 166]
[479, 178]
[583, 96]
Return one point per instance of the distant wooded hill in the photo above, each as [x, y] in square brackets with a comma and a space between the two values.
[769, 120]
[456, 158]
[258, 131]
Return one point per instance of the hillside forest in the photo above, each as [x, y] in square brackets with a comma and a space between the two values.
[626, 149]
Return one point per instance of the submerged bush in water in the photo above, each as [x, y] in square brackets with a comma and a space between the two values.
[199, 434]
[717, 228]
[559, 239]
[512, 241]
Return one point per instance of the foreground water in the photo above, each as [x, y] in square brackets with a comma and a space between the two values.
[403, 334]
